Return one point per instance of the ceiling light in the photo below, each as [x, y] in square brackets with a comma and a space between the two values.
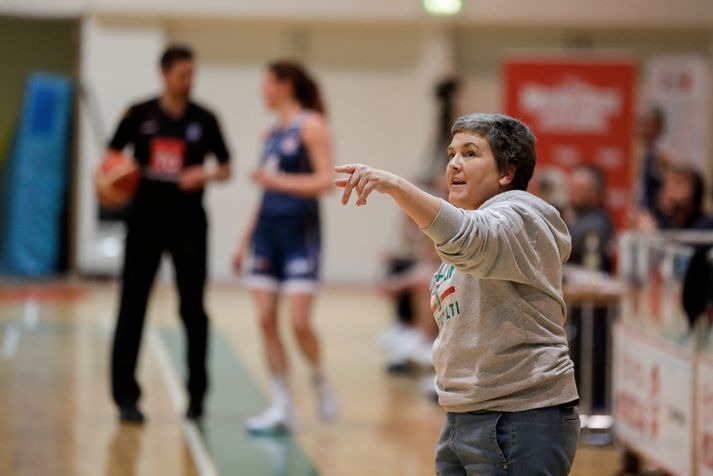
[442, 7]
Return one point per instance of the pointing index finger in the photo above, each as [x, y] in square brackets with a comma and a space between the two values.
[345, 169]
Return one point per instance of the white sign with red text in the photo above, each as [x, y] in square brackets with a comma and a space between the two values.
[704, 437]
[653, 399]
[680, 85]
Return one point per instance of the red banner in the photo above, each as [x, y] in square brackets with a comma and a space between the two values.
[582, 111]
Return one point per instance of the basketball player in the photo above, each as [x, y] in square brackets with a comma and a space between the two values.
[170, 136]
[284, 240]
[503, 371]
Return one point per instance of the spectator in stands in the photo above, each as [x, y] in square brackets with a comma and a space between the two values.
[416, 282]
[591, 230]
[408, 343]
[679, 201]
[550, 184]
[588, 221]
[654, 158]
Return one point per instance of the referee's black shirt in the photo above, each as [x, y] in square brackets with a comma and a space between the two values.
[164, 147]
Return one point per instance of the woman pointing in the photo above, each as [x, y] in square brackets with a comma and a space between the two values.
[503, 371]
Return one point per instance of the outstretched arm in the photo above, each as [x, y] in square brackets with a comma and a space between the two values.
[513, 241]
[422, 207]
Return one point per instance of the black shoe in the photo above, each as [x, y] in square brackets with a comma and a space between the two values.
[194, 412]
[131, 414]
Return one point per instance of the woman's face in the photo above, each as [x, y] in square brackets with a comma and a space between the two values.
[274, 91]
[676, 193]
[472, 172]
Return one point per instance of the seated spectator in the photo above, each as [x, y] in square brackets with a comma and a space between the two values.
[588, 221]
[550, 184]
[408, 343]
[415, 345]
[680, 203]
[591, 231]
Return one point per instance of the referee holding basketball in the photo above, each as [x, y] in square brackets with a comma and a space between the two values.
[170, 137]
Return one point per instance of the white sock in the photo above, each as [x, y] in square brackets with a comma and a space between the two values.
[280, 391]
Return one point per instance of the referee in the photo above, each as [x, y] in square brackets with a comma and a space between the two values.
[170, 136]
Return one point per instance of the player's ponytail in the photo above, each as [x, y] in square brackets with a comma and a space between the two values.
[304, 87]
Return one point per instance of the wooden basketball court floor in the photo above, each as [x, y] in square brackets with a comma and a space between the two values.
[56, 416]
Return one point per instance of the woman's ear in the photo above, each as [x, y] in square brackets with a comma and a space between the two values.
[507, 176]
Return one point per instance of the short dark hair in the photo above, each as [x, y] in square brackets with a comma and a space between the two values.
[658, 115]
[596, 175]
[511, 141]
[695, 178]
[173, 54]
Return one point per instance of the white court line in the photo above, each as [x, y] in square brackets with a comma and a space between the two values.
[13, 332]
[11, 341]
[31, 314]
[107, 320]
[203, 460]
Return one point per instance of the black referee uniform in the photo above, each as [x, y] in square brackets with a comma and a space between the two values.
[164, 218]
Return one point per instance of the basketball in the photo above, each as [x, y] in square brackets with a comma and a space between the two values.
[116, 179]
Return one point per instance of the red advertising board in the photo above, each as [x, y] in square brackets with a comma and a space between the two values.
[582, 111]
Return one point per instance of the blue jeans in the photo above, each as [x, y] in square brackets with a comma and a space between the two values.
[538, 442]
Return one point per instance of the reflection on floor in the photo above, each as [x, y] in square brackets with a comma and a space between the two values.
[56, 416]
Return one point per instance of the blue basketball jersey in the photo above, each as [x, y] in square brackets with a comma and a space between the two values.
[285, 153]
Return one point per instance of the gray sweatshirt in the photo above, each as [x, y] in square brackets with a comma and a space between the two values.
[498, 302]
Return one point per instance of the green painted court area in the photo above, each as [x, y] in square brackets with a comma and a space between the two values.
[234, 395]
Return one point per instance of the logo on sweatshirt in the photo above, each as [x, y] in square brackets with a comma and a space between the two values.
[444, 304]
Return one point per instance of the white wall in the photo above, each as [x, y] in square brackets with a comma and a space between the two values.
[377, 82]
[117, 64]
[377, 79]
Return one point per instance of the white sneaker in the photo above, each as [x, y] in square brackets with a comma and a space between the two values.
[405, 345]
[327, 402]
[397, 335]
[422, 355]
[386, 339]
[275, 419]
